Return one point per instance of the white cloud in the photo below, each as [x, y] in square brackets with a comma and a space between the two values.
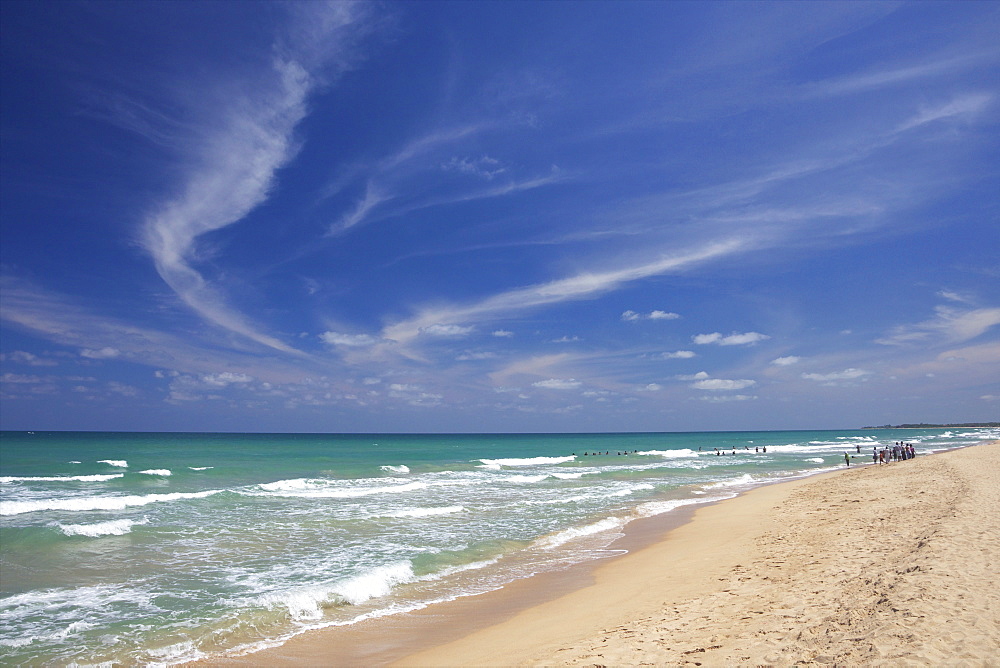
[652, 387]
[225, 378]
[348, 340]
[567, 339]
[951, 295]
[846, 374]
[786, 361]
[734, 339]
[632, 316]
[723, 384]
[950, 323]
[581, 286]
[697, 376]
[484, 167]
[374, 197]
[473, 356]
[102, 354]
[503, 334]
[232, 161]
[968, 105]
[23, 357]
[678, 355]
[728, 397]
[446, 331]
[403, 387]
[558, 384]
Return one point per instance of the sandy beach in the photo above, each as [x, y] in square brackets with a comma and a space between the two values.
[875, 565]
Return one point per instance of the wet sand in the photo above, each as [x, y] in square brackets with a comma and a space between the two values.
[875, 565]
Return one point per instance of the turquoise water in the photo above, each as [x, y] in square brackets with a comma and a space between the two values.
[160, 548]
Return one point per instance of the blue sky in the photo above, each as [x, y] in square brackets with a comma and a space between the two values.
[499, 216]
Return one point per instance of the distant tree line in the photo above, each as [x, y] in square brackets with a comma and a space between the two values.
[925, 425]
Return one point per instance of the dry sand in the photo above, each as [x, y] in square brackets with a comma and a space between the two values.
[878, 565]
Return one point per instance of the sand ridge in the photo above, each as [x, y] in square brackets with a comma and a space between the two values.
[879, 565]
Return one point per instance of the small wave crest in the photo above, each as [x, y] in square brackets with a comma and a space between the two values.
[308, 602]
[652, 508]
[97, 502]
[119, 463]
[160, 472]
[335, 489]
[63, 478]
[745, 479]
[567, 535]
[683, 452]
[530, 461]
[111, 528]
[632, 490]
[426, 512]
[817, 460]
[402, 468]
[527, 479]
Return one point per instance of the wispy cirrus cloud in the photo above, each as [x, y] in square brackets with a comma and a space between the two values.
[949, 325]
[232, 160]
[967, 105]
[894, 76]
[580, 286]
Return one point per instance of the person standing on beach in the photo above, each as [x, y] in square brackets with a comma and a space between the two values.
[847, 460]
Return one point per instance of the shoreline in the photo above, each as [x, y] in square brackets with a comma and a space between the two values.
[743, 551]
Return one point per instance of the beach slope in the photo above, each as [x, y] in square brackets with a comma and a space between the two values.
[891, 564]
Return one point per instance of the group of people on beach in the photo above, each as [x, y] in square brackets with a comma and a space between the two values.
[899, 452]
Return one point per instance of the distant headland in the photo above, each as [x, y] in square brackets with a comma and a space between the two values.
[924, 425]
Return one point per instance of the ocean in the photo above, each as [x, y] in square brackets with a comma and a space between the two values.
[159, 548]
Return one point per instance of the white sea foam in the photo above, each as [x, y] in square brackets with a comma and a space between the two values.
[308, 602]
[111, 528]
[200, 468]
[565, 536]
[97, 502]
[63, 605]
[120, 463]
[684, 452]
[426, 512]
[745, 479]
[562, 499]
[159, 472]
[818, 460]
[528, 479]
[402, 468]
[335, 489]
[632, 490]
[651, 508]
[571, 476]
[63, 478]
[452, 570]
[530, 461]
